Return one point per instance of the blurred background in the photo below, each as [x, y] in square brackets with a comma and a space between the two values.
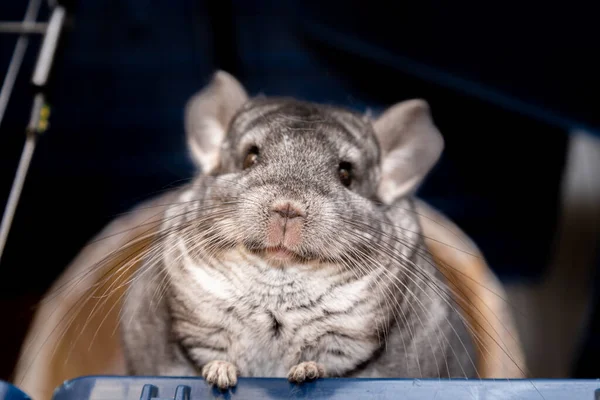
[512, 86]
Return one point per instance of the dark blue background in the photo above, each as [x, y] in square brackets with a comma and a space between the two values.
[505, 85]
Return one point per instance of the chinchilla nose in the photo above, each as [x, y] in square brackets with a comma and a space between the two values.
[286, 224]
[287, 210]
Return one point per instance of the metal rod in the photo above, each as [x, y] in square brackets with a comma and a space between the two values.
[24, 162]
[22, 28]
[17, 58]
[48, 49]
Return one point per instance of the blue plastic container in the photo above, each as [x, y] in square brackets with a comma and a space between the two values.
[165, 388]
[10, 392]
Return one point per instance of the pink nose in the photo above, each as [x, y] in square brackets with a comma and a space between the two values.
[285, 225]
[287, 211]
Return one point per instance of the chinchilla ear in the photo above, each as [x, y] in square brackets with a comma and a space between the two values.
[411, 145]
[207, 117]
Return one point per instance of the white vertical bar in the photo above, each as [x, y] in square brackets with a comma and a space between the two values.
[44, 62]
[17, 58]
[26, 155]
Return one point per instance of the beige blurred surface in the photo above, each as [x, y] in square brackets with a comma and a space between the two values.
[75, 331]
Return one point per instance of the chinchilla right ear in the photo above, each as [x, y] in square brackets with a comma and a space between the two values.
[411, 145]
[208, 115]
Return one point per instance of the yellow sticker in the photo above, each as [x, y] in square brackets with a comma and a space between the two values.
[43, 122]
[45, 112]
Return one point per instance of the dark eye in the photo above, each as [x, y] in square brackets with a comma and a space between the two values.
[251, 157]
[345, 172]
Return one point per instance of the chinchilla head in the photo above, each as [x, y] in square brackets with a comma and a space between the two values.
[298, 181]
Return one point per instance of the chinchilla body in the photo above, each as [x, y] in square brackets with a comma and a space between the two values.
[296, 251]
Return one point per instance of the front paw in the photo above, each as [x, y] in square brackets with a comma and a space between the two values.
[220, 373]
[306, 371]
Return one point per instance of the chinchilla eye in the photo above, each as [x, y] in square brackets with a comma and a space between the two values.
[345, 172]
[251, 157]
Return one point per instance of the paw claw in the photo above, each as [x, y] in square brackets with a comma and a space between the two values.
[306, 371]
[222, 374]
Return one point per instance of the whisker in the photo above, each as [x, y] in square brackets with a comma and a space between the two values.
[462, 296]
[429, 281]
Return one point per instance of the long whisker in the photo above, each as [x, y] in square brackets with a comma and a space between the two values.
[462, 296]
[75, 309]
[394, 279]
[428, 280]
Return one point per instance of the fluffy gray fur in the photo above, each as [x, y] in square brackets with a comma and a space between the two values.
[356, 293]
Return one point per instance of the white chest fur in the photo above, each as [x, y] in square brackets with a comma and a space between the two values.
[266, 319]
